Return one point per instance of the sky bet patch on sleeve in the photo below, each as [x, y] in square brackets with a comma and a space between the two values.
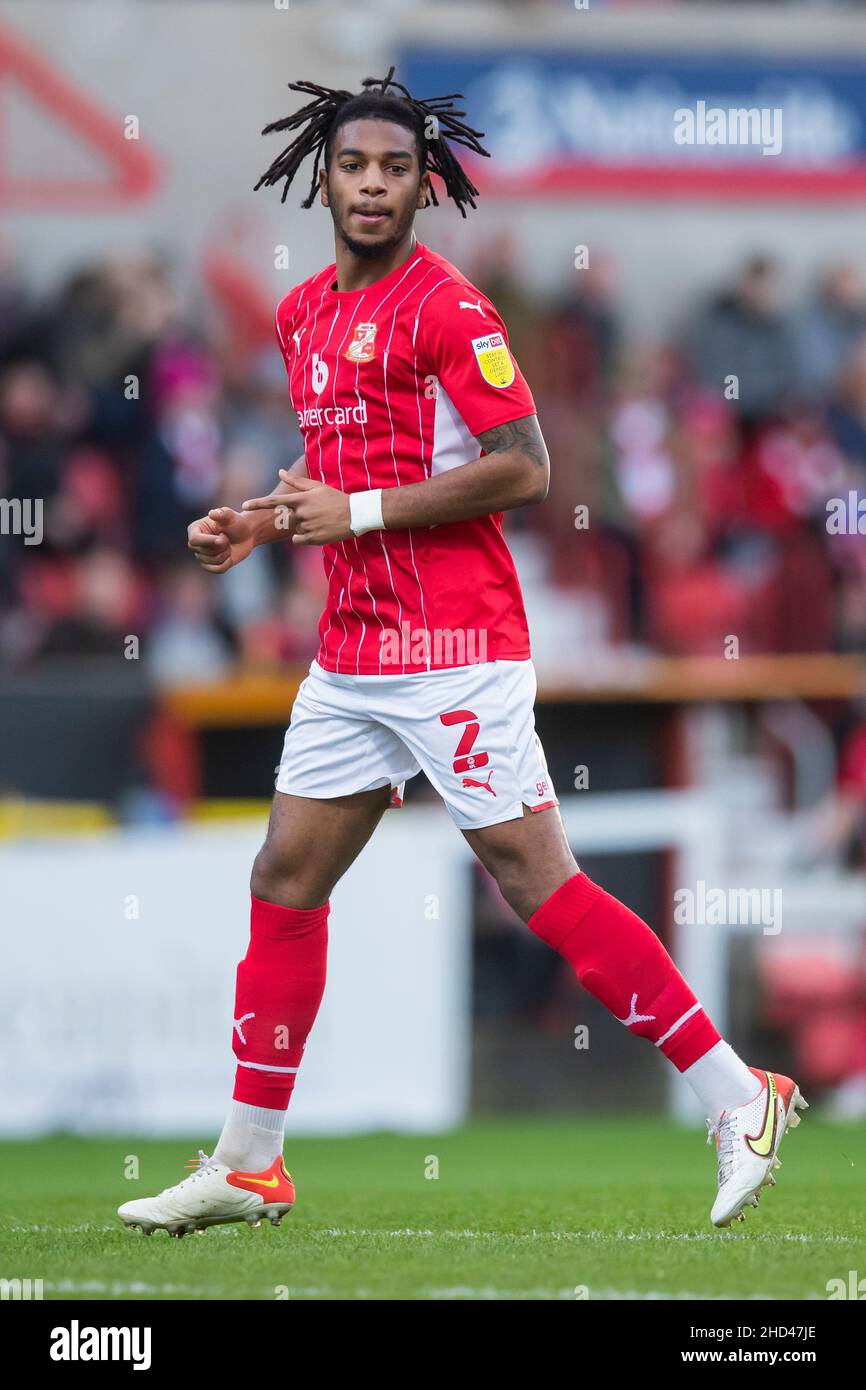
[494, 359]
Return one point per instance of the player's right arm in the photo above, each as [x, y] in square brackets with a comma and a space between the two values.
[224, 537]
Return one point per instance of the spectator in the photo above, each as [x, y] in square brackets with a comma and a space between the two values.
[743, 333]
[828, 329]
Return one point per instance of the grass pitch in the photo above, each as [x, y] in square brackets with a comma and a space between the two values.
[520, 1209]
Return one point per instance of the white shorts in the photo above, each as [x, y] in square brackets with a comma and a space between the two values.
[470, 728]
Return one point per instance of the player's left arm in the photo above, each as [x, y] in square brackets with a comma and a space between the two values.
[471, 361]
[514, 472]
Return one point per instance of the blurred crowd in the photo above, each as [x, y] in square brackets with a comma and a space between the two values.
[130, 408]
[707, 460]
[690, 483]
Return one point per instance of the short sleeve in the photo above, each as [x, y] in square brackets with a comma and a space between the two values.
[283, 326]
[464, 344]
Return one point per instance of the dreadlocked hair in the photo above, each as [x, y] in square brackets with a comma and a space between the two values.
[431, 121]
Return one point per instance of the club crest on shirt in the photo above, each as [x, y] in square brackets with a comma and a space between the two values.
[363, 345]
[494, 359]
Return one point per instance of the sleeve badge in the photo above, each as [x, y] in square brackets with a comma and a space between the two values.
[494, 360]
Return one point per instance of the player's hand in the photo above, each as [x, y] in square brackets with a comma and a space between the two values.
[221, 539]
[319, 515]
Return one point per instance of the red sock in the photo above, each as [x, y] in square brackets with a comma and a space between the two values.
[280, 983]
[621, 961]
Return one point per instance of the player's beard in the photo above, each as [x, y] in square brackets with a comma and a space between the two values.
[373, 250]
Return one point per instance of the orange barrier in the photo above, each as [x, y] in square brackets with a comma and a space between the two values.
[259, 698]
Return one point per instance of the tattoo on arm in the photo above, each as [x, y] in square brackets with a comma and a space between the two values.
[524, 435]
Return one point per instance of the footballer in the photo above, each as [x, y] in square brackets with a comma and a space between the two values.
[419, 431]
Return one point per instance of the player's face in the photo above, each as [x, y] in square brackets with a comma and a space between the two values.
[373, 186]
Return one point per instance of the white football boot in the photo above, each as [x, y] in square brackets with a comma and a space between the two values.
[213, 1195]
[747, 1140]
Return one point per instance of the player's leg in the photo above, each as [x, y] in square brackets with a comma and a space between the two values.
[310, 844]
[621, 961]
[281, 980]
[529, 857]
[615, 955]
[335, 780]
[473, 731]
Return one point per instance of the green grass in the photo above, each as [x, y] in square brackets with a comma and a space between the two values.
[521, 1209]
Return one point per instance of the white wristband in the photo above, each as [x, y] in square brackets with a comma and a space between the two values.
[365, 511]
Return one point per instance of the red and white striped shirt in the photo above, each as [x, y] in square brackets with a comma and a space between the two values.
[391, 385]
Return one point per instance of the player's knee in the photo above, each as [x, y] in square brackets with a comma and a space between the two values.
[511, 879]
[281, 879]
[526, 880]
